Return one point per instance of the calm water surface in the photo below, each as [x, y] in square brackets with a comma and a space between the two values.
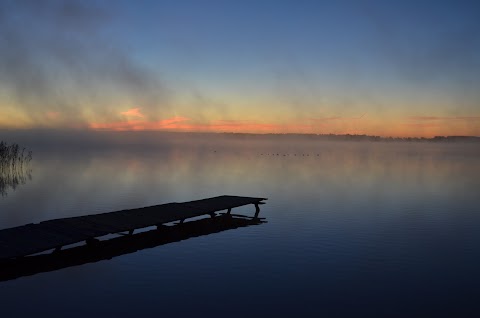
[354, 230]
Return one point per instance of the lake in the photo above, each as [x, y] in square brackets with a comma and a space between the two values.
[353, 229]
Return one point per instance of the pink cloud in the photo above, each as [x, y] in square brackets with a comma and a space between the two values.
[133, 112]
[172, 121]
[169, 123]
[53, 115]
[179, 123]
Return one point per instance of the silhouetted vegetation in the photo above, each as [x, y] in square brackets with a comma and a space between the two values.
[14, 169]
[355, 137]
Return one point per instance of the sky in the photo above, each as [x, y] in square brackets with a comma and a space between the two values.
[388, 68]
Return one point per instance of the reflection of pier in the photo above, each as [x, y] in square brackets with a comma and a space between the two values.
[120, 245]
[19, 242]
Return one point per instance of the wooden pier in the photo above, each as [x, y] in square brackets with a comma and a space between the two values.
[30, 239]
[122, 245]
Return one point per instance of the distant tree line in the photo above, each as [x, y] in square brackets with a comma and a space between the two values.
[354, 137]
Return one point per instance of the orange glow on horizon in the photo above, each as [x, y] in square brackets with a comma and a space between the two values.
[133, 119]
[179, 123]
[428, 126]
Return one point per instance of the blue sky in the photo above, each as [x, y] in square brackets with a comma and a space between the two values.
[266, 62]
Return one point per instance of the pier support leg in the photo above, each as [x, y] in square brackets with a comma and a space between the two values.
[229, 211]
[257, 210]
[130, 232]
[212, 215]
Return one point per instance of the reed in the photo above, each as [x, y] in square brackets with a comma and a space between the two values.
[14, 168]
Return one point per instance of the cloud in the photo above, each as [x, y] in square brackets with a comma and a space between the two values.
[174, 123]
[53, 115]
[57, 56]
[179, 123]
[133, 112]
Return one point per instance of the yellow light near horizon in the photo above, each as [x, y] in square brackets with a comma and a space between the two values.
[14, 118]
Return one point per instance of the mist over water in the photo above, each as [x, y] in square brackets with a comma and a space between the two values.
[354, 228]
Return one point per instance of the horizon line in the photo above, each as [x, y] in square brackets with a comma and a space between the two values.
[79, 130]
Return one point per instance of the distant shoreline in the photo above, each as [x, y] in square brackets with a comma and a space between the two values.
[349, 137]
[89, 138]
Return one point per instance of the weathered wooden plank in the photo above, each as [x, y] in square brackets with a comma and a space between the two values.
[35, 238]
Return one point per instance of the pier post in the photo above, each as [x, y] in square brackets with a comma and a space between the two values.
[257, 210]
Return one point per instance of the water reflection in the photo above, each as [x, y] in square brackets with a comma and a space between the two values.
[121, 245]
[78, 183]
[355, 229]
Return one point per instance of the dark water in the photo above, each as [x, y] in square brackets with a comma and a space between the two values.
[354, 230]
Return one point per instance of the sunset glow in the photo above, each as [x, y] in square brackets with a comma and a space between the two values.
[411, 126]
